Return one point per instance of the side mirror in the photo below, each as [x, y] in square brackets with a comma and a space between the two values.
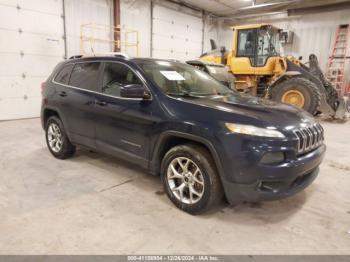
[134, 91]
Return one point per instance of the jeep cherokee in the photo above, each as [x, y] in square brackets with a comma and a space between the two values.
[205, 140]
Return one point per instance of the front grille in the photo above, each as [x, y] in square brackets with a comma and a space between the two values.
[309, 137]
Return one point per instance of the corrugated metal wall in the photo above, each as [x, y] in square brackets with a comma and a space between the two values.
[315, 34]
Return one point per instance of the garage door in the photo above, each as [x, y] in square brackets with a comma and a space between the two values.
[176, 35]
[31, 45]
[97, 13]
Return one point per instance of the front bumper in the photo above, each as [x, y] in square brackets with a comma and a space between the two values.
[276, 182]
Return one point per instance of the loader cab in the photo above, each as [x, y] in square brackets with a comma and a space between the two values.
[253, 48]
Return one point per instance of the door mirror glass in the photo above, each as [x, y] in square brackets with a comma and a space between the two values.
[134, 91]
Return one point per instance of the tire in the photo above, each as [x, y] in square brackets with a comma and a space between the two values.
[54, 130]
[210, 187]
[309, 90]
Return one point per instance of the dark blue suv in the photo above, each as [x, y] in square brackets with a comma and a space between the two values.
[205, 140]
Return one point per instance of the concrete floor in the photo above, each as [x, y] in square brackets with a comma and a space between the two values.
[94, 204]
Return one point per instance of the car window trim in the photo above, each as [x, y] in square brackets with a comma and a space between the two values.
[99, 83]
[60, 70]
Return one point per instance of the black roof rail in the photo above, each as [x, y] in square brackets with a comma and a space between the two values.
[115, 54]
[76, 56]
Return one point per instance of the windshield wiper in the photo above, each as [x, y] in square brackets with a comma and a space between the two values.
[186, 94]
[192, 94]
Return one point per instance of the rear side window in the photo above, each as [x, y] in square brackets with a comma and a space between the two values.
[63, 76]
[84, 75]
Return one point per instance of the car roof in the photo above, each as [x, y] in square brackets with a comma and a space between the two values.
[80, 58]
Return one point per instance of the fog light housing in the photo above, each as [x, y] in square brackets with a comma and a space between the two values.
[272, 158]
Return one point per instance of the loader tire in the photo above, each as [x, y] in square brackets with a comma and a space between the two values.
[299, 92]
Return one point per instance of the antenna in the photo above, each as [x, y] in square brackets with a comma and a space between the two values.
[92, 50]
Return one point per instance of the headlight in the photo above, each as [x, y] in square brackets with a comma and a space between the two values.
[253, 130]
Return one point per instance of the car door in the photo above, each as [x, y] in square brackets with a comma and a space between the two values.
[59, 97]
[123, 125]
[79, 102]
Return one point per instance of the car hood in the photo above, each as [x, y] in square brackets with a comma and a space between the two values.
[264, 111]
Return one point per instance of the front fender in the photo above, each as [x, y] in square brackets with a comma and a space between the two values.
[157, 149]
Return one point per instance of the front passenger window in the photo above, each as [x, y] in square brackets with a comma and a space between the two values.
[115, 76]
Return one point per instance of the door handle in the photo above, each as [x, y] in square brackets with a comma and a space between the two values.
[63, 94]
[101, 103]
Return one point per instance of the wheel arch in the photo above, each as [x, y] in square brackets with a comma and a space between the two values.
[169, 139]
[47, 113]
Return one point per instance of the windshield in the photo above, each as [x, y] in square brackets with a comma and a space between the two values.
[220, 73]
[180, 79]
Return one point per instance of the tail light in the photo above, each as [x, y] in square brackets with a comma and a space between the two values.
[43, 85]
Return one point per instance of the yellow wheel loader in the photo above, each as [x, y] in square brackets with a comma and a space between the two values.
[260, 70]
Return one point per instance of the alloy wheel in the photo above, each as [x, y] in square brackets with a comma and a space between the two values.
[54, 136]
[185, 180]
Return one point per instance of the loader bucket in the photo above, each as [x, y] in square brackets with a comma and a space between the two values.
[331, 105]
[343, 110]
